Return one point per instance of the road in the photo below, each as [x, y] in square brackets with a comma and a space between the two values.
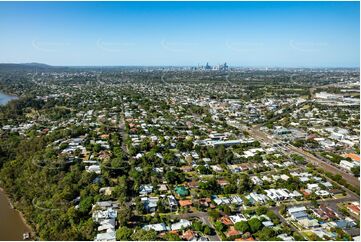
[258, 134]
[327, 167]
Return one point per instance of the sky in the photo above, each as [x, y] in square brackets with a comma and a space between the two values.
[249, 34]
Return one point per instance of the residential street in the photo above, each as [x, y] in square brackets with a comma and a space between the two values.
[259, 135]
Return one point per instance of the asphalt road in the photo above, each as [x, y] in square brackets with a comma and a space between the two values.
[327, 167]
[258, 134]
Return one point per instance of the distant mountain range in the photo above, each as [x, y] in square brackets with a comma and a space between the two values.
[25, 67]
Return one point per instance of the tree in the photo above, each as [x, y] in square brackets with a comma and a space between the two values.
[124, 233]
[266, 234]
[207, 230]
[356, 171]
[214, 214]
[297, 236]
[231, 188]
[144, 235]
[139, 206]
[219, 226]
[174, 177]
[261, 210]
[245, 184]
[124, 215]
[273, 216]
[254, 224]
[282, 209]
[204, 170]
[85, 205]
[226, 209]
[161, 207]
[172, 237]
[197, 226]
[242, 226]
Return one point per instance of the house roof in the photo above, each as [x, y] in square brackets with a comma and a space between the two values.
[157, 227]
[109, 236]
[354, 208]
[188, 235]
[267, 223]
[296, 209]
[352, 156]
[343, 224]
[232, 232]
[183, 223]
[248, 239]
[184, 203]
[299, 215]
[226, 220]
[181, 190]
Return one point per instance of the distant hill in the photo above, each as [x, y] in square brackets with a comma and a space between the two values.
[28, 67]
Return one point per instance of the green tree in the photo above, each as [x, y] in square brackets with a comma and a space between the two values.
[143, 235]
[124, 233]
[356, 171]
[266, 234]
[214, 214]
[219, 226]
[172, 237]
[85, 205]
[242, 226]
[207, 230]
[261, 210]
[197, 226]
[254, 224]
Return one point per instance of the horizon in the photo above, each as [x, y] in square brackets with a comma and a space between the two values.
[179, 66]
[179, 34]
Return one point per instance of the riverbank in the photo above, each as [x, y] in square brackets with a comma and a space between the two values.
[14, 219]
[5, 98]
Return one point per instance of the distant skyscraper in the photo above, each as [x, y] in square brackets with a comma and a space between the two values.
[208, 67]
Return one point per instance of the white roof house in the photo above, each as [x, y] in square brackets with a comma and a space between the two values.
[327, 184]
[160, 227]
[256, 180]
[296, 209]
[261, 198]
[237, 218]
[285, 177]
[93, 168]
[295, 194]
[347, 164]
[285, 237]
[172, 201]
[145, 189]
[182, 224]
[313, 187]
[322, 193]
[235, 199]
[277, 194]
[108, 236]
[267, 223]
[222, 200]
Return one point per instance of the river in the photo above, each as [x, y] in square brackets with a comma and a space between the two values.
[4, 98]
[12, 226]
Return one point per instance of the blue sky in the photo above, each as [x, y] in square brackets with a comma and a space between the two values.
[259, 34]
